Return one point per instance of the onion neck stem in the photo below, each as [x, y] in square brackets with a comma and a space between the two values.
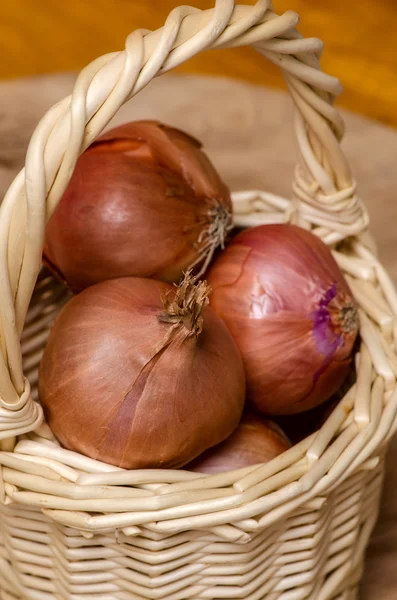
[187, 306]
[219, 224]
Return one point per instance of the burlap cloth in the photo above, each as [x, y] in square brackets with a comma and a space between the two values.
[247, 131]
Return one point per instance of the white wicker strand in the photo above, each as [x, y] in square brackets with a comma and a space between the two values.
[324, 108]
[305, 73]
[35, 183]
[268, 27]
[78, 120]
[238, 27]
[320, 125]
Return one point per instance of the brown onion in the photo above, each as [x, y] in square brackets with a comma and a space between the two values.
[291, 312]
[254, 441]
[139, 382]
[144, 200]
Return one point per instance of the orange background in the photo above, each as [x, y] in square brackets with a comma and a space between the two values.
[41, 36]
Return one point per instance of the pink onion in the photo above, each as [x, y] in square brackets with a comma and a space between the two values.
[254, 441]
[144, 200]
[291, 313]
[139, 382]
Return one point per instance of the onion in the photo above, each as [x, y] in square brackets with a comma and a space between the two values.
[138, 381]
[291, 313]
[145, 201]
[254, 441]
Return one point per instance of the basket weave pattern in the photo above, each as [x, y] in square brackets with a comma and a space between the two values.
[296, 528]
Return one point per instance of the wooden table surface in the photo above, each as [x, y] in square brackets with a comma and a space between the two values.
[42, 36]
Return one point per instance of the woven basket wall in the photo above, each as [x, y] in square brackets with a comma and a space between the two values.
[296, 528]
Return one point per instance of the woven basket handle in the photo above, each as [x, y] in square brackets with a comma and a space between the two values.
[323, 187]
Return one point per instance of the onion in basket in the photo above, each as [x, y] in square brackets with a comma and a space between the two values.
[135, 375]
[145, 201]
[254, 441]
[291, 312]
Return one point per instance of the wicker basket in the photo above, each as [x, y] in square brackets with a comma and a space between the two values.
[296, 528]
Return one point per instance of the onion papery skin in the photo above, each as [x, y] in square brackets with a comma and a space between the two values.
[254, 441]
[291, 313]
[124, 382]
[144, 200]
